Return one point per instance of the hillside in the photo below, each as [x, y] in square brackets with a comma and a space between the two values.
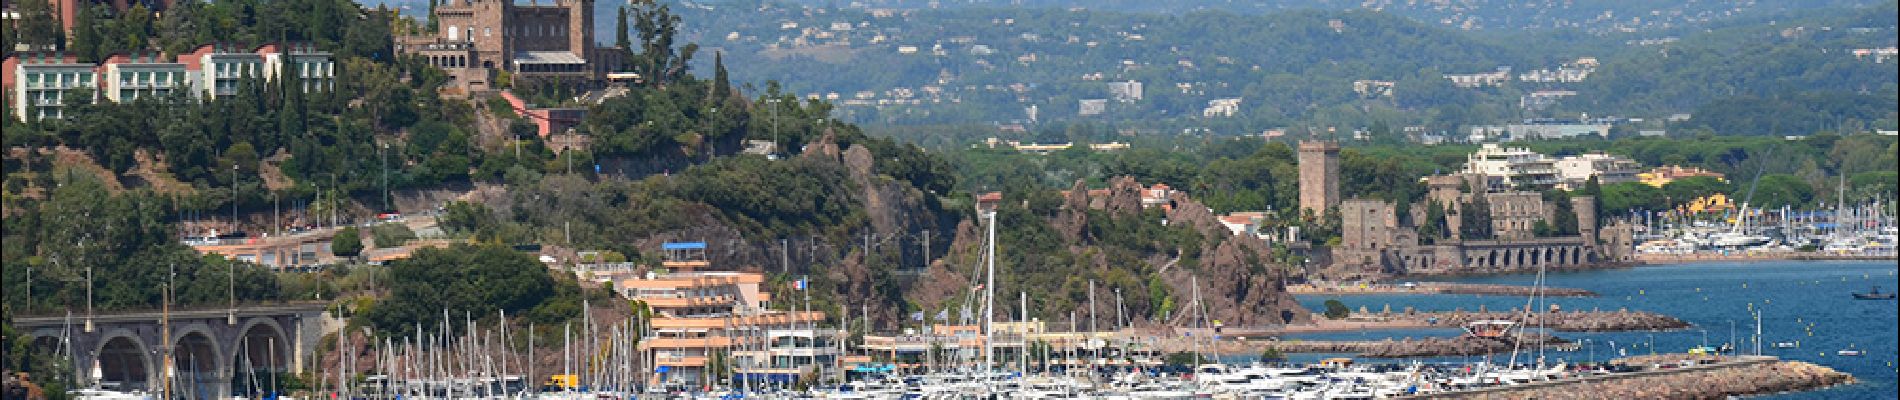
[907, 70]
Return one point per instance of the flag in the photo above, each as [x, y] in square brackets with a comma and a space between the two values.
[978, 287]
[917, 315]
[799, 284]
[966, 313]
[943, 315]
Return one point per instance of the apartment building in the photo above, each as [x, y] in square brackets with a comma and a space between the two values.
[39, 84]
[1512, 167]
[703, 319]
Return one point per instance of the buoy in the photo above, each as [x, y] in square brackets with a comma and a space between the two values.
[1744, 285]
[1698, 290]
[1639, 291]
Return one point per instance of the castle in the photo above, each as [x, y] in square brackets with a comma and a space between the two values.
[476, 40]
[1377, 239]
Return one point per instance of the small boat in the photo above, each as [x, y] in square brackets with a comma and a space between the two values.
[1786, 345]
[1848, 353]
[1874, 295]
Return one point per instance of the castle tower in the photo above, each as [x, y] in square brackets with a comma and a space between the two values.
[1586, 209]
[1319, 176]
[580, 27]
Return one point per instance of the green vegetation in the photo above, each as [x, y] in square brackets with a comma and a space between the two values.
[1336, 310]
[1294, 66]
[391, 234]
[1185, 359]
[348, 242]
[126, 243]
[1272, 354]
[474, 279]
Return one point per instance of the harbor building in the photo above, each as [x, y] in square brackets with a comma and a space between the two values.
[703, 319]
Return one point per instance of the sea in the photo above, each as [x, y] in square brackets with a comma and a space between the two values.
[1808, 302]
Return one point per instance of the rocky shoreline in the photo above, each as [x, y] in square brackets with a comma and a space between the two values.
[1434, 288]
[1725, 378]
[1574, 321]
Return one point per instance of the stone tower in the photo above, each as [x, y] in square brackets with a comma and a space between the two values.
[1586, 209]
[1319, 176]
[580, 26]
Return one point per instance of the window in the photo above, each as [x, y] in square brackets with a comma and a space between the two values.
[486, 32]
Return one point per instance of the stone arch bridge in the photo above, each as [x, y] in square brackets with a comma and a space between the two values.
[216, 353]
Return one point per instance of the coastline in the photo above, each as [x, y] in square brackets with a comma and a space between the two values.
[1711, 377]
[1661, 258]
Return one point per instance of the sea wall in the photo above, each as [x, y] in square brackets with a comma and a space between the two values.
[1730, 377]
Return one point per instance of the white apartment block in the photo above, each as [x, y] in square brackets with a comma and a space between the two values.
[129, 77]
[1573, 171]
[39, 84]
[1507, 168]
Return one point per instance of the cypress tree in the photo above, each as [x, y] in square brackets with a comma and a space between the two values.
[621, 39]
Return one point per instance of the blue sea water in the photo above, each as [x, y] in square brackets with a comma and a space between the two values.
[1806, 301]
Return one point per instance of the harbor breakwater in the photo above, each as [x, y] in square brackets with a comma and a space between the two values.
[1724, 378]
[1385, 348]
[1436, 288]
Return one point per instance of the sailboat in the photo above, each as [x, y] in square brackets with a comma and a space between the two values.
[1738, 236]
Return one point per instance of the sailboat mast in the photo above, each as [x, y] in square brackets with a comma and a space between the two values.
[989, 296]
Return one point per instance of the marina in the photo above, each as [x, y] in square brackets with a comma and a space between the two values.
[1746, 319]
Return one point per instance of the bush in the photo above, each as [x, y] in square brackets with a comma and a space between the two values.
[391, 234]
[1272, 354]
[1336, 309]
[1185, 359]
[347, 243]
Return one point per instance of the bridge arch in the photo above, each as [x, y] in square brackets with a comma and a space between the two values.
[124, 361]
[198, 362]
[261, 349]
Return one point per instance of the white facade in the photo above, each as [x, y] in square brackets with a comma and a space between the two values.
[1129, 91]
[218, 74]
[130, 81]
[42, 86]
[1512, 167]
[1573, 171]
[315, 70]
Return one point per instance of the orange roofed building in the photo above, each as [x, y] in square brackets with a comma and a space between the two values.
[700, 316]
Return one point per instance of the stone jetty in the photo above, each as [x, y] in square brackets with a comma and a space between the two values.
[1723, 378]
[1435, 288]
[1573, 321]
[1385, 348]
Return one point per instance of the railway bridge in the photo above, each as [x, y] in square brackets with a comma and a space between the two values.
[214, 353]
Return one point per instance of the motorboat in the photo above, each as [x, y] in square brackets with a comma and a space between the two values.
[1874, 295]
